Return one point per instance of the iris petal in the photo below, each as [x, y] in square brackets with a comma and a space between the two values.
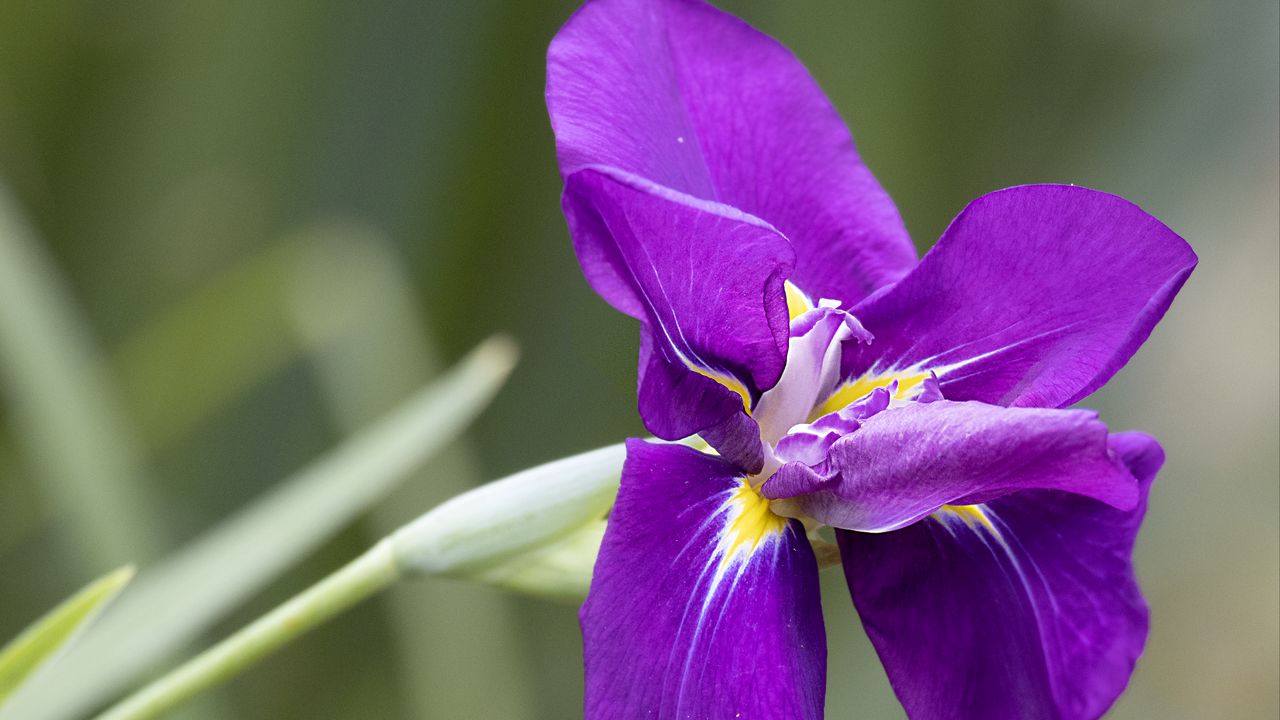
[696, 100]
[1034, 296]
[714, 322]
[703, 604]
[1034, 613]
[906, 462]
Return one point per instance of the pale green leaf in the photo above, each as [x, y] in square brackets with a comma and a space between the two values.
[63, 408]
[43, 640]
[173, 602]
[357, 312]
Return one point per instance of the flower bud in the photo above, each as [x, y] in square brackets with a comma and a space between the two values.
[509, 531]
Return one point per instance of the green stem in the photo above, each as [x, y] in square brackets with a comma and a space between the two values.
[363, 577]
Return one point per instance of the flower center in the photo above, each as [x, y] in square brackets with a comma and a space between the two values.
[799, 418]
[749, 523]
[909, 385]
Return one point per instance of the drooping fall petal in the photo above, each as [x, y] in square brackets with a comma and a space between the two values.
[702, 604]
[1025, 607]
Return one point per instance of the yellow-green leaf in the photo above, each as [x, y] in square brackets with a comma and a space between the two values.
[41, 642]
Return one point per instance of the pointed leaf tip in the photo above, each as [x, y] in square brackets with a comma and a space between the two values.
[42, 641]
[501, 350]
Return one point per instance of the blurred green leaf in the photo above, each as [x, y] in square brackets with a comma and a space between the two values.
[66, 410]
[202, 353]
[183, 595]
[41, 642]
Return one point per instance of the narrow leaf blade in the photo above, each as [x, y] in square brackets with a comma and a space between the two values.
[183, 595]
[42, 641]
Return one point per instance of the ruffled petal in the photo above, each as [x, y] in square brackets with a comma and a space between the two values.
[906, 462]
[696, 100]
[1026, 607]
[703, 604]
[714, 322]
[1035, 296]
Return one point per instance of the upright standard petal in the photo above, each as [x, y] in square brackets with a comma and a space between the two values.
[906, 462]
[703, 603]
[1034, 296]
[715, 322]
[696, 100]
[1026, 607]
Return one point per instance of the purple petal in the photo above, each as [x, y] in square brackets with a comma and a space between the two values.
[696, 100]
[702, 603]
[1029, 610]
[906, 462]
[715, 322]
[1034, 296]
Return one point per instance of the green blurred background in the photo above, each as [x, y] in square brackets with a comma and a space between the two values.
[279, 218]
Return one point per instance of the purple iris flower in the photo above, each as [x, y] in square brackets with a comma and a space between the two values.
[916, 407]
